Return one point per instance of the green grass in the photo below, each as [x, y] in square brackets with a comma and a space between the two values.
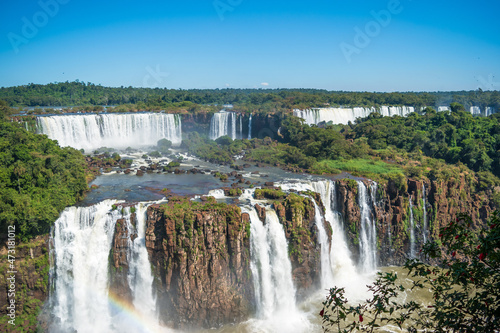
[359, 166]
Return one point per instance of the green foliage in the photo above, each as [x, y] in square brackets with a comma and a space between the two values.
[92, 96]
[465, 288]
[234, 192]
[224, 140]
[38, 179]
[357, 166]
[173, 164]
[155, 153]
[272, 194]
[454, 136]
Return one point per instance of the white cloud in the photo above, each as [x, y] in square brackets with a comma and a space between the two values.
[264, 84]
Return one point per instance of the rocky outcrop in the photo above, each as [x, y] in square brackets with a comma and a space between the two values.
[31, 268]
[201, 259]
[297, 214]
[118, 265]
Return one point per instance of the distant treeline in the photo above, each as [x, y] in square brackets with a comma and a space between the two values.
[79, 94]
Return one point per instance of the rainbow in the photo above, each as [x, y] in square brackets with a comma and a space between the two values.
[134, 320]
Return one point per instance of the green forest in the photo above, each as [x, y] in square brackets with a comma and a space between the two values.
[88, 94]
[38, 179]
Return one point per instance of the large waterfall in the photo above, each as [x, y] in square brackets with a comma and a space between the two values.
[80, 299]
[226, 123]
[92, 131]
[368, 231]
[272, 275]
[346, 115]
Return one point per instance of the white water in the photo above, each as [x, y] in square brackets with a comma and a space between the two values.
[80, 300]
[272, 275]
[92, 131]
[443, 108]
[412, 232]
[326, 266]
[367, 233]
[475, 110]
[225, 123]
[424, 232]
[82, 240]
[140, 277]
[250, 127]
[342, 271]
[346, 115]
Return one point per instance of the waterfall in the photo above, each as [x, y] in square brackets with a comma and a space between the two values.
[272, 274]
[82, 240]
[346, 115]
[80, 300]
[342, 271]
[475, 110]
[140, 277]
[424, 233]
[225, 123]
[92, 131]
[250, 127]
[342, 267]
[326, 266]
[412, 232]
[443, 108]
[368, 232]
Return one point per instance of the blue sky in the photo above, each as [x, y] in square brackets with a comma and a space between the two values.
[335, 45]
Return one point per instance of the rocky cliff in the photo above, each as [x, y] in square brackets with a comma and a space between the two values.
[200, 254]
[443, 201]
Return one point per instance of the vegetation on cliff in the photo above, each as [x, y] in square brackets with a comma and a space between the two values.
[38, 179]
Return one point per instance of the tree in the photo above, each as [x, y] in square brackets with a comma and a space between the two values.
[465, 287]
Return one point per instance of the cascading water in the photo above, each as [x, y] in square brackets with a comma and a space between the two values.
[82, 240]
[272, 274]
[225, 123]
[80, 299]
[346, 115]
[412, 232]
[342, 270]
[475, 110]
[342, 266]
[326, 266]
[140, 277]
[92, 131]
[368, 232]
[250, 127]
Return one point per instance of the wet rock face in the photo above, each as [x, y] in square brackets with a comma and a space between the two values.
[443, 201]
[118, 265]
[201, 261]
